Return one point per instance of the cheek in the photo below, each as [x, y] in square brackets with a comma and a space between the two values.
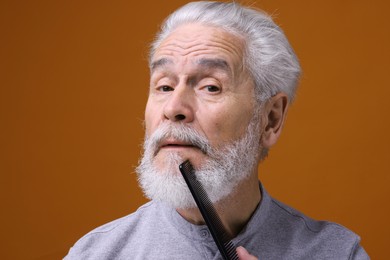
[150, 118]
[230, 126]
[218, 127]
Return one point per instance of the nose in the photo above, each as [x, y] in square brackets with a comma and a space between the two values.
[179, 106]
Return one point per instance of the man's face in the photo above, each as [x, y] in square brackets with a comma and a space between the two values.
[197, 79]
[201, 107]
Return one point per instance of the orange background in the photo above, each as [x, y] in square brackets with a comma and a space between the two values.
[74, 82]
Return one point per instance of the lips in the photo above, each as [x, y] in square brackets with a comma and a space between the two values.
[175, 144]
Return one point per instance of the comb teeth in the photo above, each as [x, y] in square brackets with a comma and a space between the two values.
[221, 237]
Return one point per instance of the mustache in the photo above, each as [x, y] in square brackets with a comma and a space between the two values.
[179, 132]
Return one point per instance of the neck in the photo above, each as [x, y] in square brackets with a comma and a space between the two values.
[234, 210]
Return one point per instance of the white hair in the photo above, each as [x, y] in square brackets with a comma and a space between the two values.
[268, 56]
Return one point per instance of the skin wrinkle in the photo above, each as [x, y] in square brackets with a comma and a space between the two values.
[230, 45]
[187, 48]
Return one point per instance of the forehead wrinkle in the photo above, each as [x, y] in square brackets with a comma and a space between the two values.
[220, 45]
[183, 45]
[179, 47]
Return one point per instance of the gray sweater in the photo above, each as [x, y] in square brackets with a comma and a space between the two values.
[275, 231]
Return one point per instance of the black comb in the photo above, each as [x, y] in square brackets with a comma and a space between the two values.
[221, 237]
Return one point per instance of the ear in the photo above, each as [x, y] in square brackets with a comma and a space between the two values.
[275, 112]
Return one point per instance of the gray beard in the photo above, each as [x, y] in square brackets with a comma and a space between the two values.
[223, 170]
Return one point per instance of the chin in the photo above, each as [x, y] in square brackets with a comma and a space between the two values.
[165, 160]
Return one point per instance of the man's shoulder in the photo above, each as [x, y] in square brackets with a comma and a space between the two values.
[292, 218]
[122, 223]
[310, 237]
[112, 234]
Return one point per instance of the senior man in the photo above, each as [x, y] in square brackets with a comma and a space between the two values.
[222, 78]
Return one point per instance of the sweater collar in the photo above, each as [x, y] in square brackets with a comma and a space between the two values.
[201, 232]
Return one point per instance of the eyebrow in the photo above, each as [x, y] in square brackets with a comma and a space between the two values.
[160, 63]
[214, 64]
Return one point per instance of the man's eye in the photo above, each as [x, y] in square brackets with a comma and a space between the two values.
[211, 88]
[165, 88]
